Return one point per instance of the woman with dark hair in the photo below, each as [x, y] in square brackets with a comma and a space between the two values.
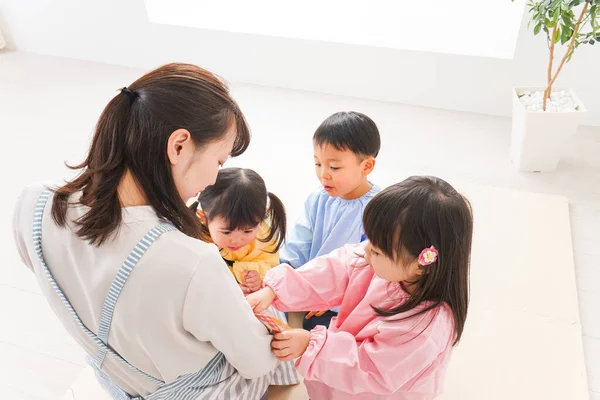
[117, 255]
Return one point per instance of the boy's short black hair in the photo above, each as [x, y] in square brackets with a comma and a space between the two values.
[349, 130]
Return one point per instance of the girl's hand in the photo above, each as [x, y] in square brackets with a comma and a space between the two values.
[290, 344]
[261, 300]
[252, 280]
[315, 314]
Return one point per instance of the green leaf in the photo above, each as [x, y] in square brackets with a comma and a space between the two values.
[551, 24]
[567, 20]
[556, 37]
[592, 42]
[537, 28]
[566, 35]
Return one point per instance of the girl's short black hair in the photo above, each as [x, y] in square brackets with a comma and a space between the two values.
[240, 196]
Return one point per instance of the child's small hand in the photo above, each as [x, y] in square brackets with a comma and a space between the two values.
[261, 300]
[290, 344]
[315, 314]
[252, 280]
[245, 289]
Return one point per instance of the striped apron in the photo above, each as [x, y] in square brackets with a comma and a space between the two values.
[215, 381]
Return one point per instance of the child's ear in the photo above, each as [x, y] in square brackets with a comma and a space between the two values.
[422, 269]
[368, 165]
[201, 215]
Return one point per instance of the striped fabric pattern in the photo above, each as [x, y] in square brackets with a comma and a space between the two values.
[37, 241]
[117, 285]
[218, 380]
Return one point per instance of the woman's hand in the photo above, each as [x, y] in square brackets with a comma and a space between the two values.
[252, 280]
[261, 300]
[290, 344]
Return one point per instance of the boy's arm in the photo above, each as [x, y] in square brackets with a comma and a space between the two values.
[296, 251]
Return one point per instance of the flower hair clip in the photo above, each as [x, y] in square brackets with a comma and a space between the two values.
[428, 256]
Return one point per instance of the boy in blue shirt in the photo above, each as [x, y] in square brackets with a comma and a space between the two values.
[345, 147]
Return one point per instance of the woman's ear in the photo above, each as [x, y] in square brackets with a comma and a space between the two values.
[179, 141]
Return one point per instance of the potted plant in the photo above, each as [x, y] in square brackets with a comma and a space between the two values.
[544, 118]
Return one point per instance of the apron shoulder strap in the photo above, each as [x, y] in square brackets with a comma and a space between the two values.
[119, 282]
[138, 251]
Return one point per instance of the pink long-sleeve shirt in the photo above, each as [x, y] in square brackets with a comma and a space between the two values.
[363, 355]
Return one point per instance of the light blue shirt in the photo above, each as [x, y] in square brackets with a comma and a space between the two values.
[326, 224]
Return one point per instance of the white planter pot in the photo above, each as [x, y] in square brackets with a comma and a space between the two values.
[538, 138]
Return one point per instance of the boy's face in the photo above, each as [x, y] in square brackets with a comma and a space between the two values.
[341, 172]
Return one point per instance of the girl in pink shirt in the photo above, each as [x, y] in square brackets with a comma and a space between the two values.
[403, 296]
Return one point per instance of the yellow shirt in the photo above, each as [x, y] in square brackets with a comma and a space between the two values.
[257, 256]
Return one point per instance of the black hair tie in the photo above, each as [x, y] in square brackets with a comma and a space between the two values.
[131, 94]
[194, 206]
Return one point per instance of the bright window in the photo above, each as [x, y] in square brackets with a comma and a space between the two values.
[486, 28]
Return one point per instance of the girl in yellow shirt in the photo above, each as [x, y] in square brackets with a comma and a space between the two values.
[236, 217]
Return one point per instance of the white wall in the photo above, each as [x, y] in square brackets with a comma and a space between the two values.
[2, 41]
[118, 32]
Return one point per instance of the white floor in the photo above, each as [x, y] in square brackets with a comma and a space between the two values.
[47, 110]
